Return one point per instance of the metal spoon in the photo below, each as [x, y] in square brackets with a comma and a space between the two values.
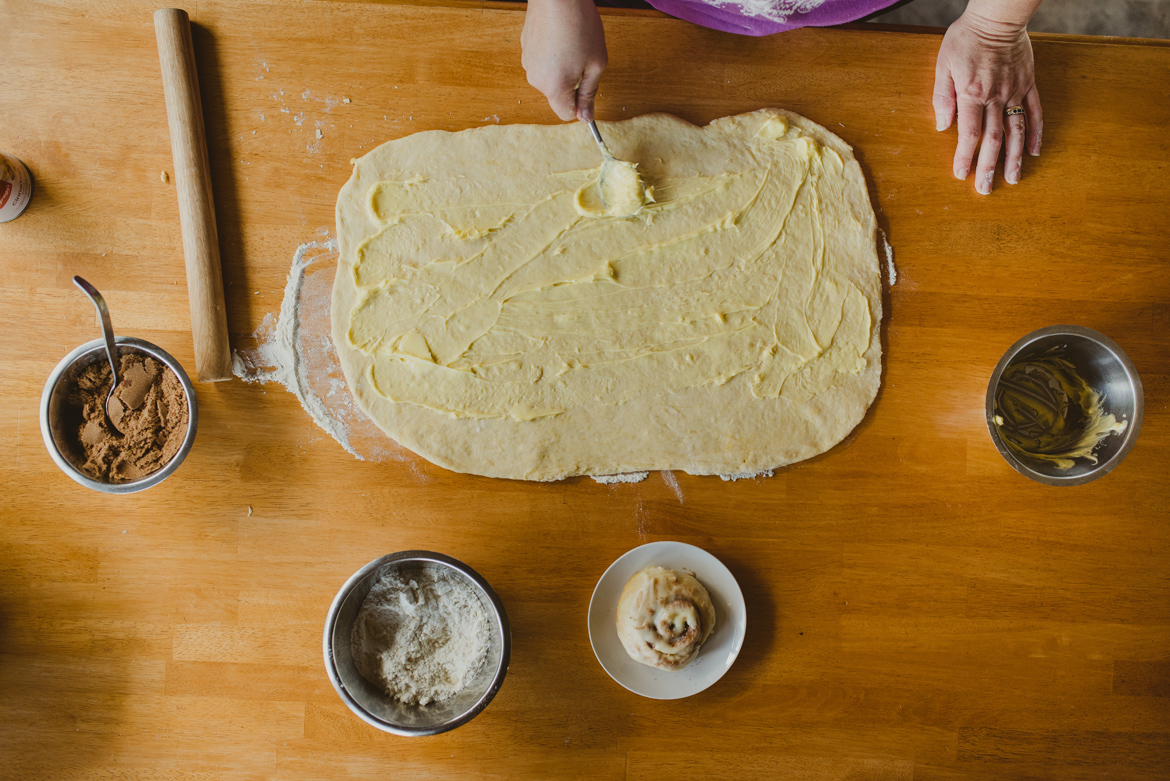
[600, 143]
[111, 350]
[607, 165]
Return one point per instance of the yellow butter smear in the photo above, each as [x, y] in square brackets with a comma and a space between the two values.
[621, 188]
[510, 298]
[1046, 411]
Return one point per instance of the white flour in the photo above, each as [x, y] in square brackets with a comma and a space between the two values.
[890, 260]
[628, 477]
[731, 478]
[672, 483]
[277, 358]
[295, 348]
[422, 635]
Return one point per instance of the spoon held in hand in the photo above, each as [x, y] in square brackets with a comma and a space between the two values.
[620, 188]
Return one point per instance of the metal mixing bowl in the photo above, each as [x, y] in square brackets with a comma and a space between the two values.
[1107, 369]
[59, 421]
[373, 705]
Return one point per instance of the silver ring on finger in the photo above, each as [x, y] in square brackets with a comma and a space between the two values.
[1012, 111]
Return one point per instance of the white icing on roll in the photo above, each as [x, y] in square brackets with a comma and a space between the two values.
[663, 617]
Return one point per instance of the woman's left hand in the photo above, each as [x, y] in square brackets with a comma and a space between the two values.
[984, 67]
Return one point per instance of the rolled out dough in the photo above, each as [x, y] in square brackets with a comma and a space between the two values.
[490, 321]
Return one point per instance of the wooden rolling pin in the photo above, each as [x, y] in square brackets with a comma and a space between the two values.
[213, 360]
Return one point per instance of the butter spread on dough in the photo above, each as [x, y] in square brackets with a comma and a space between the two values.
[663, 617]
[622, 191]
[492, 318]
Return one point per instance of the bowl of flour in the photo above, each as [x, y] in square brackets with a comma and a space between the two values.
[416, 643]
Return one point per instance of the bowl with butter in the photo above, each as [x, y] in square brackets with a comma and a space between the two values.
[1064, 405]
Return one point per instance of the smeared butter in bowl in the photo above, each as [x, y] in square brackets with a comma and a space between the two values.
[1045, 411]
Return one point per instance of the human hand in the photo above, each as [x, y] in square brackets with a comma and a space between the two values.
[564, 54]
[984, 67]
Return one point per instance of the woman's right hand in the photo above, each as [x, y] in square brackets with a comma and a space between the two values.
[564, 54]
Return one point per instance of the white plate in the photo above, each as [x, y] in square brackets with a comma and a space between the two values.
[717, 654]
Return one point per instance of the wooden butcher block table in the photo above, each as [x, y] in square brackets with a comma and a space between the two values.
[916, 608]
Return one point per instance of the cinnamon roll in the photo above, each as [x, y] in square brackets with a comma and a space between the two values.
[663, 617]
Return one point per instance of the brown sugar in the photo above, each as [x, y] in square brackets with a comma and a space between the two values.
[149, 408]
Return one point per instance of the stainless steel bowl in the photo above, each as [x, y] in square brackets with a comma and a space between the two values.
[1108, 370]
[369, 702]
[56, 420]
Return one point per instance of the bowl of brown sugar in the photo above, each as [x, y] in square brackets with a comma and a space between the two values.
[153, 410]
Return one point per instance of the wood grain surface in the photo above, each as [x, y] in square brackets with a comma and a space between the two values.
[917, 609]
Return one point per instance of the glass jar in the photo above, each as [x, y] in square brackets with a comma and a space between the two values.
[15, 188]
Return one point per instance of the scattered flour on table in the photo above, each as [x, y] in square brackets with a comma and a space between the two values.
[628, 477]
[745, 475]
[295, 348]
[672, 483]
[890, 260]
[421, 635]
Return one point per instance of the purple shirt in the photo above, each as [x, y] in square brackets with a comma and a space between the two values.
[764, 17]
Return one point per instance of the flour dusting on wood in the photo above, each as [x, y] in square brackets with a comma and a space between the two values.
[731, 478]
[629, 477]
[890, 260]
[672, 483]
[295, 349]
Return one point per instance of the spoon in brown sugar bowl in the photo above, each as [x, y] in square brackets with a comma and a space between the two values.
[111, 350]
